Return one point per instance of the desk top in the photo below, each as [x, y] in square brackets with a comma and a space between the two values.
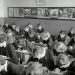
[5, 57]
[23, 51]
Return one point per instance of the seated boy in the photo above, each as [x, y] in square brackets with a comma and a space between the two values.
[9, 68]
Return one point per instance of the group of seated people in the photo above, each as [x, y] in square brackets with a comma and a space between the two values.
[48, 54]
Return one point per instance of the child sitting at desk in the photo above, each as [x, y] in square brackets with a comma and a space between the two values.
[44, 56]
[46, 38]
[7, 49]
[63, 37]
[9, 68]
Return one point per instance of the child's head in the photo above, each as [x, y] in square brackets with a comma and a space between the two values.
[60, 47]
[39, 26]
[17, 28]
[39, 52]
[6, 24]
[34, 68]
[13, 25]
[26, 29]
[30, 26]
[63, 59]
[62, 34]
[45, 36]
[72, 31]
[21, 43]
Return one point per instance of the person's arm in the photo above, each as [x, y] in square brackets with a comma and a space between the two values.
[14, 69]
[12, 53]
[50, 43]
[30, 45]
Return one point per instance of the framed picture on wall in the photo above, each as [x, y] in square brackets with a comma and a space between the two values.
[65, 13]
[73, 15]
[53, 12]
[16, 12]
[40, 12]
[34, 12]
[40, 2]
[47, 12]
[10, 12]
[27, 11]
[21, 12]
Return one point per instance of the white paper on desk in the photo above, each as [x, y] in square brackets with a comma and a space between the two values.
[25, 51]
[5, 57]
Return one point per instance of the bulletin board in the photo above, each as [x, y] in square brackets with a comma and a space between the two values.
[64, 13]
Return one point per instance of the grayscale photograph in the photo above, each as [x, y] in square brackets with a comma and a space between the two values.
[37, 37]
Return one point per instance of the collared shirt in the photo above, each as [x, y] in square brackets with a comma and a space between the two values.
[3, 44]
[4, 67]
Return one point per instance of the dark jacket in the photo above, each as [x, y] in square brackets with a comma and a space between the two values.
[9, 51]
[13, 69]
[47, 61]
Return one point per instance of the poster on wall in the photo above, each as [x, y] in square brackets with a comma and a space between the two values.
[40, 12]
[73, 15]
[16, 12]
[34, 12]
[47, 12]
[21, 12]
[27, 12]
[10, 12]
[65, 13]
[53, 12]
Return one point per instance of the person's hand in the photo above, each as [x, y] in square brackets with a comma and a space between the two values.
[33, 41]
[71, 47]
[41, 43]
[57, 70]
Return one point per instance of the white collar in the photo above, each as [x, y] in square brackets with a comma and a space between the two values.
[4, 67]
[3, 44]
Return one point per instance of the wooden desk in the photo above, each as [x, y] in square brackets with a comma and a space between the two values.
[40, 44]
[5, 57]
[23, 51]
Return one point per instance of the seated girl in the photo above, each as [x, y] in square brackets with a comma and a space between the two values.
[47, 39]
[12, 39]
[63, 37]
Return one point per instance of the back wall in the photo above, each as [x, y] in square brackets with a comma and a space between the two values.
[53, 26]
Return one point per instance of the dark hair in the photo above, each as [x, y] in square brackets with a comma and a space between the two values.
[63, 31]
[13, 23]
[34, 51]
[39, 24]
